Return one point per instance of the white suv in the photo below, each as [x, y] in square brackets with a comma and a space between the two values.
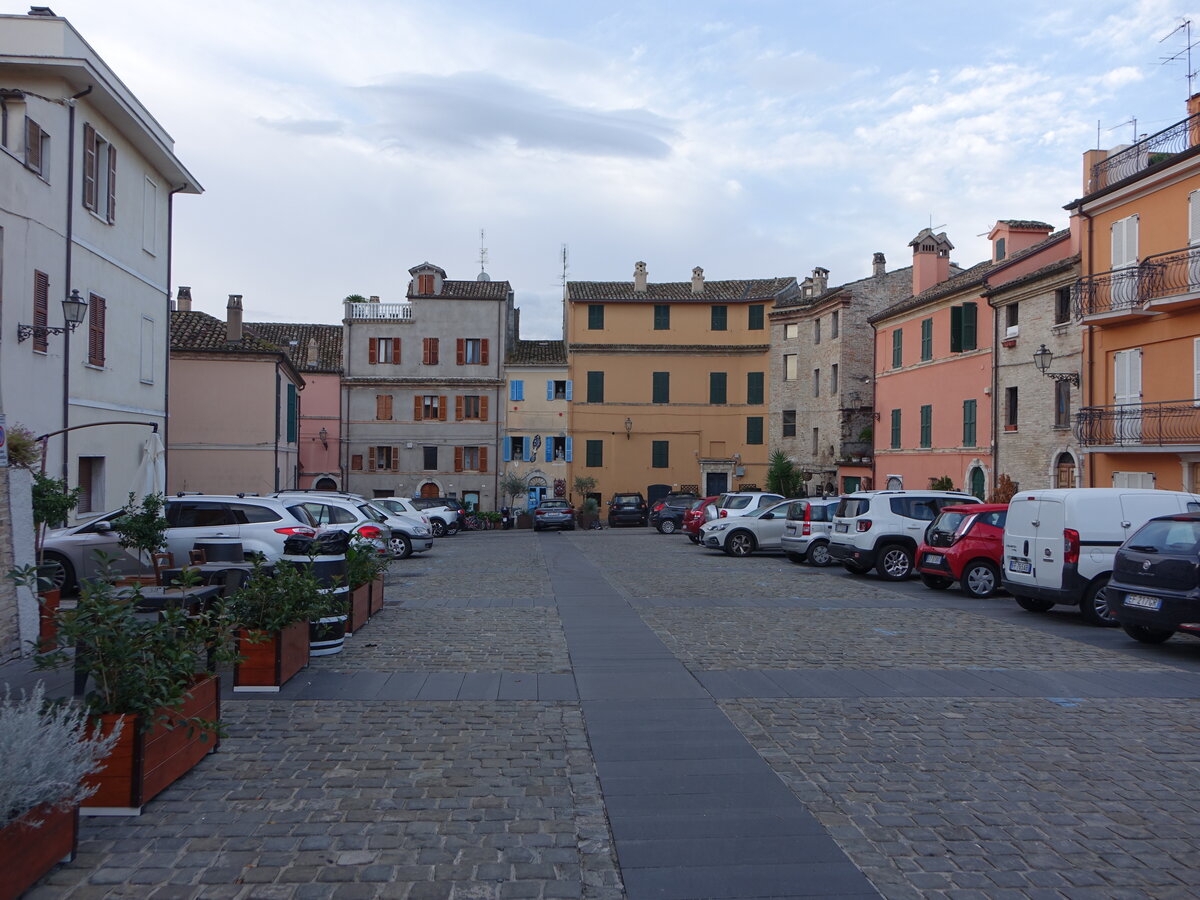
[882, 529]
[739, 503]
[343, 512]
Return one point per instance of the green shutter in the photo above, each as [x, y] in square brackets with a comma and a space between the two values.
[595, 454]
[720, 318]
[895, 429]
[716, 387]
[661, 387]
[926, 339]
[662, 317]
[660, 454]
[926, 426]
[595, 316]
[968, 423]
[293, 418]
[897, 348]
[956, 328]
[754, 388]
[595, 387]
[968, 326]
[754, 430]
[756, 317]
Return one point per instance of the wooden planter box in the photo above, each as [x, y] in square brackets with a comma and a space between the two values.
[267, 665]
[377, 595]
[48, 602]
[360, 608]
[144, 763]
[26, 854]
[587, 520]
[136, 581]
[524, 520]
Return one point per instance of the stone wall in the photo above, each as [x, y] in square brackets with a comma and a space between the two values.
[18, 608]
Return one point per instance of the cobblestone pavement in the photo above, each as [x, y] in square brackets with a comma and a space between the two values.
[474, 566]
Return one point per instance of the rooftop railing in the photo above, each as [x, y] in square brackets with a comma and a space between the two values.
[386, 312]
[1158, 424]
[1147, 152]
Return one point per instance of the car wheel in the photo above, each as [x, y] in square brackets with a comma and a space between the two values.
[667, 526]
[1034, 604]
[59, 571]
[1094, 605]
[694, 538]
[937, 582]
[401, 546]
[818, 554]
[1146, 634]
[797, 558]
[612, 523]
[740, 543]
[439, 528]
[571, 527]
[980, 579]
[895, 562]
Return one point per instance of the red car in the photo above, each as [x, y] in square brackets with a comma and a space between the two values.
[964, 544]
[693, 518]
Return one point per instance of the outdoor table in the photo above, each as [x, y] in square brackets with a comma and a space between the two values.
[211, 570]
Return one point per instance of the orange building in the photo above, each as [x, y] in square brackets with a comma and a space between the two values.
[1138, 298]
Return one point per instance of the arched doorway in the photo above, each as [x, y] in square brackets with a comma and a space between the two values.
[429, 489]
[656, 492]
[977, 483]
[325, 484]
[1064, 471]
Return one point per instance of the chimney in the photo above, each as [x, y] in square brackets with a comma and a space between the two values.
[820, 281]
[233, 324]
[639, 277]
[931, 259]
[697, 280]
[806, 287]
[44, 11]
[374, 298]
[183, 299]
[878, 265]
[1011, 236]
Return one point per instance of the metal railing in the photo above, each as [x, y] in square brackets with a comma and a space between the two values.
[1146, 152]
[387, 312]
[1169, 274]
[1162, 423]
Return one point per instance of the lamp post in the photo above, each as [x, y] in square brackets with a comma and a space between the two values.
[1042, 358]
[628, 427]
[323, 434]
[74, 309]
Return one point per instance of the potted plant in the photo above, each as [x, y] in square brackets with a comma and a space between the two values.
[589, 513]
[270, 616]
[364, 566]
[141, 527]
[53, 501]
[45, 757]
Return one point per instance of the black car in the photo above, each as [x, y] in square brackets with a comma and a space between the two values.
[1155, 586]
[667, 513]
[627, 509]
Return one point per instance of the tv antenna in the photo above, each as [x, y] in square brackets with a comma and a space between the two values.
[1185, 54]
[483, 253]
[564, 253]
[1132, 120]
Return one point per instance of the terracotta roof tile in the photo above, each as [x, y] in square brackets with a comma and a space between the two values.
[328, 356]
[744, 291]
[538, 353]
[468, 290]
[200, 331]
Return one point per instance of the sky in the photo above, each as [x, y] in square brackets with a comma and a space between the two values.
[342, 143]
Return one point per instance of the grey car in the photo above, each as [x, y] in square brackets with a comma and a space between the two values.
[554, 514]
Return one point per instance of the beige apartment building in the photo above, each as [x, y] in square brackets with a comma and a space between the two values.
[670, 382]
[537, 442]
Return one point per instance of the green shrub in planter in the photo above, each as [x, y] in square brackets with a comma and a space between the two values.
[271, 602]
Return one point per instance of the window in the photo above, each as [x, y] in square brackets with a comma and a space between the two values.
[755, 318]
[816, 382]
[356, 462]
[516, 390]
[969, 415]
[999, 249]
[149, 216]
[558, 449]
[429, 406]
[720, 318]
[755, 388]
[1011, 315]
[91, 484]
[516, 449]
[833, 379]
[962, 328]
[558, 390]
[662, 317]
[595, 317]
[595, 387]
[660, 454]
[1062, 404]
[895, 444]
[926, 340]
[1125, 243]
[716, 387]
[1010, 408]
[926, 426]
[37, 148]
[834, 324]
[791, 367]
[146, 366]
[383, 407]
[1062, 305]
[470, 459]
[661, 387]
[430, 458]
[425, 284]
[293, 413]
[789, 423]
[791, 331]
[383, 458]
[383, 350]
[96, 311]
[897, 348]
[754, 430]
[816, 331]
[99, 175]
[472, 351]
[595, 454]
[429, 351]
[41, 309]
[471, 406]
[816, 442]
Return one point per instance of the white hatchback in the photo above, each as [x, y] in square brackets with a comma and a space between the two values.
[739, 503]
[758, 529]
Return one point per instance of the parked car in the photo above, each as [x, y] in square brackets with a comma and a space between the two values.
[261, 524]
[693, 518]
[554, 514]
[761, 529]
[806, 532]
[344, 512]
[447, 515]
[403, 506]
[627, 508]
[881, 530]
[1154, 591]
[964, 544]
[667, 514]
[739, 503]
[410, 534]
[1059, 544]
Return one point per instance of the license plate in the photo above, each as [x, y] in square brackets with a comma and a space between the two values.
[840, 527]
[1023, 566]
[933, 558]
[791, 529]
[1141, 601]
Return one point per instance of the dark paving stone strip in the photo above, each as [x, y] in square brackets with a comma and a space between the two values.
[694, 810]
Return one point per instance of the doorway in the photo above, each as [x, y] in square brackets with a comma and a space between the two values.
[977, 484]
[655, 492]
[429, 489]
[715, 483]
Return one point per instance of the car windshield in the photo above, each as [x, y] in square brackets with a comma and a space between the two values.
[391, 505]
[1180, 537]
[951, 522]
[697, 504]
[372, 513]
[853, 506]
[554, 504]
[733, 502]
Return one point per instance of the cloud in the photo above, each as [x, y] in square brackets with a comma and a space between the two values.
[481, 110]
[303, 126]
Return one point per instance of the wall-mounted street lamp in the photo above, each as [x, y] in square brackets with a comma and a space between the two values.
[1042, 359]
[628, 427]
[323, 434]
[74, 309]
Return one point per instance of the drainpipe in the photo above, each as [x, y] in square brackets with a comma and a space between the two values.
[277, 394]
[70, 237]
[1091, 365]
[995, 396]
[167, 351]
[502, 348]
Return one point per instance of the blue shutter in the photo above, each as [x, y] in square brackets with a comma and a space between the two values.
[549, 390]
[569, 391]
[570, 449]
[549, 451]
[526, 450]
[508, 451]
[520, 389]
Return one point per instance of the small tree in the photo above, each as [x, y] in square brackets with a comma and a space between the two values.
[356, 298]
[512, 486]
[142, 526]
[782, 475]
[945, 483]
[52, 503]
[24, 450]
[1005, 490]
[584, 485]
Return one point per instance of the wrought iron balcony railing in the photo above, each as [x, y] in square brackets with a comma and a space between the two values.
[386, 312]
[1170, 274]
[1146, 152]
[1159, 424]
[1107, 292]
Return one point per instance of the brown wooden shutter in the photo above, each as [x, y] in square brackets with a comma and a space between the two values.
[379, 406]
[433, 344]
[373, 351]
[395, 459]
[483, 460]
[395, 351]
[426, 352]
[458, 408]
[461, 351]
[417, 402]
[33, 144]
[111, 213]
[89, 167]
[443, 403]
[370, 459]
[458, 454]
[356, 462]
[483, 352]
[388, 405]
[483, 408]
[95, 330]
[41, 308]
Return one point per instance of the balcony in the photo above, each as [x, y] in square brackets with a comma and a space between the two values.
[381, 312]
[1167, 423]
[1145, 153]
[1159, 283]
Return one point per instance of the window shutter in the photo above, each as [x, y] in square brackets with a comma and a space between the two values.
[395, 459]
[370, 459]
[388, 406]
[1131, 240]
[1196, 371]
[549, 390]
[483, 352]
[356, 462]
[458, 408]
[442, 404]
[33, 144]
[514, 390]
[570, 449]
[570, 389]
[96, 313]
[461, 351]
[956, 328]
[373, 351]
[508, 451]
[549, 450]
[379, 406]
[458, 454]
[1194, 217]
[483, 459]
[417, 404]
[111, 213]
[41, 308]
[395, 351]
[89, 167]
[483, 408]
[968, 326]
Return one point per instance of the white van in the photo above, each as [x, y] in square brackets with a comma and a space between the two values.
[1059, 544]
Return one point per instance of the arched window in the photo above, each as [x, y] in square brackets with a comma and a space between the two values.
[326, 484]
[1064, 471]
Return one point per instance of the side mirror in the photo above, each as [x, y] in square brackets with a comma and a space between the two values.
[768, 515]
[103, 527]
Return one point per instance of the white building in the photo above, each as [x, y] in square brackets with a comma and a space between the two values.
[87, 178]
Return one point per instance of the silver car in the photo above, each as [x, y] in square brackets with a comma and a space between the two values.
[806, 533]
[343, 512]
[741, 535]
[409, 534]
